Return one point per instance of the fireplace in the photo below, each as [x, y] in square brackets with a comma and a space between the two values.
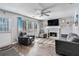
[53, 34]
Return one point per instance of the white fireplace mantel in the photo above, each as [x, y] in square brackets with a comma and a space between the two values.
[52, 27]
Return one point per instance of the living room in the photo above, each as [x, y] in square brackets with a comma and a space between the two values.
[39, 29]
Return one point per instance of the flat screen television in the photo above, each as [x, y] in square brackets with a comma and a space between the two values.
[54, 22]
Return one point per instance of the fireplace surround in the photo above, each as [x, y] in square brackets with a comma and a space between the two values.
[53, 31]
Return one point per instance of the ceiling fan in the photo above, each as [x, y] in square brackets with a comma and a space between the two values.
[43, 11]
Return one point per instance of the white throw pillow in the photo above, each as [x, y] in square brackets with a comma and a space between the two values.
[71, 36]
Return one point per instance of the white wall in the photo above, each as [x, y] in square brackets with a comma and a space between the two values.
[11, 37]
[66, 25]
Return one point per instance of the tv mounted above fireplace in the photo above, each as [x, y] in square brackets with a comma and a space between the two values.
[54, 22]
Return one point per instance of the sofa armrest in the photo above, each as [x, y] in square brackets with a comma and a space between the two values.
[68, 41]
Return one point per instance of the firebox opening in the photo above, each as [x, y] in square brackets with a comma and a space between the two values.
[54, 34]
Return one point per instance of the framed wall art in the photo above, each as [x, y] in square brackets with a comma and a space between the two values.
[76, 20]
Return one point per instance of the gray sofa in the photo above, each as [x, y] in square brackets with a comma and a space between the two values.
[68, 47]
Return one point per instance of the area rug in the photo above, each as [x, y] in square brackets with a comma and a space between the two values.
[45, 41]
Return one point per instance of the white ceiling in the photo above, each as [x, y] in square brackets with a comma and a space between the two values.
[58, 10]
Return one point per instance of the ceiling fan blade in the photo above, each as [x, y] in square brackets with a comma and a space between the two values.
[45, 14]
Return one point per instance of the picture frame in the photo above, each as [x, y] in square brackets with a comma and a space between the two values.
[76, 20]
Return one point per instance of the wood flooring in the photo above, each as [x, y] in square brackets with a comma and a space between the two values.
[40, 47]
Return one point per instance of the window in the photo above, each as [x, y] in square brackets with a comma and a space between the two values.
[4, 24]
[20, 24]
[35, 25]
[27, 25]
